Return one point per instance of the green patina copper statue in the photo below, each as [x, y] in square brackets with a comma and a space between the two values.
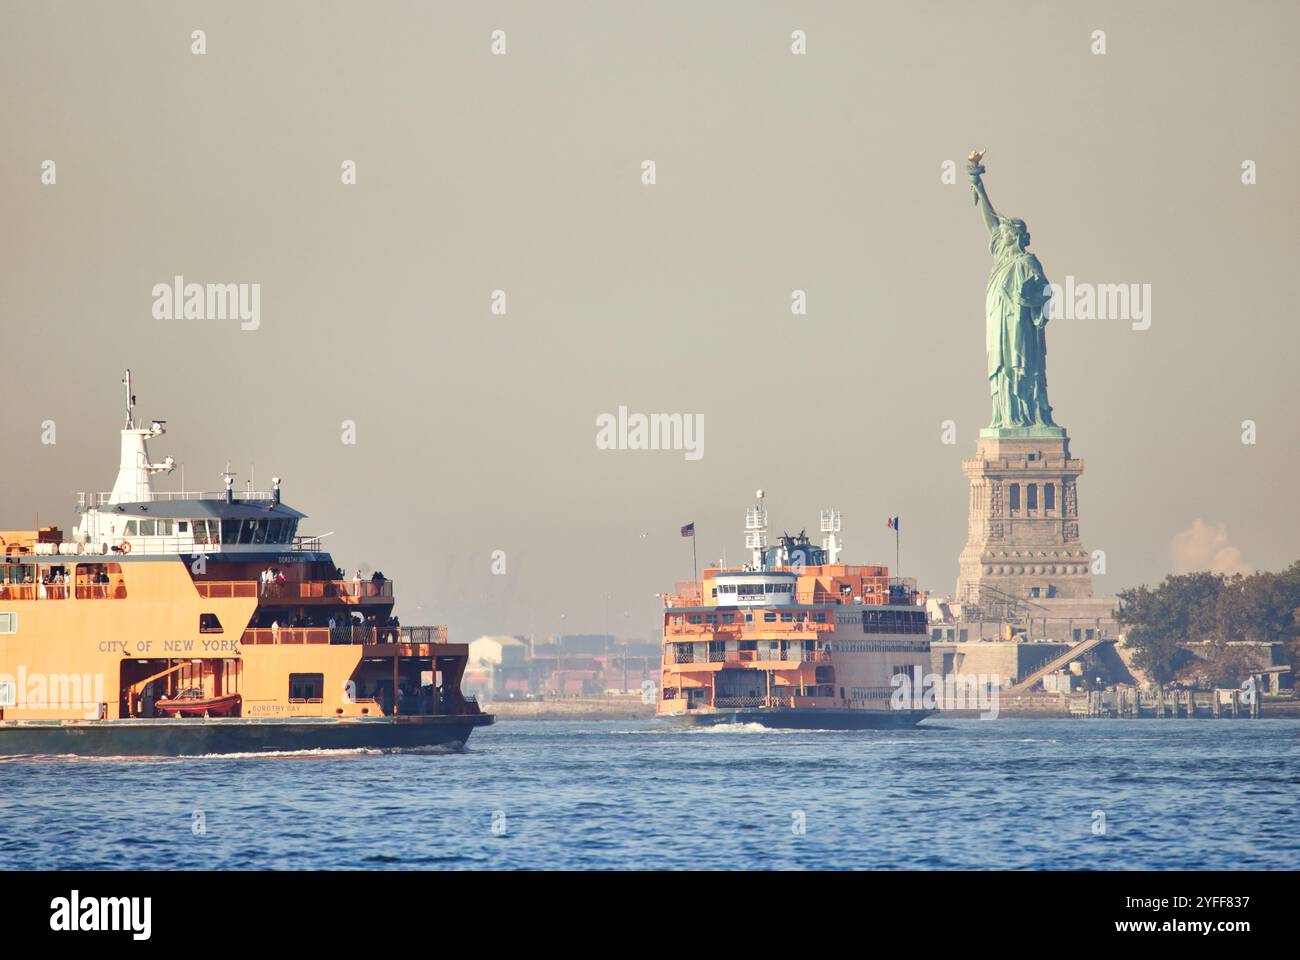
[1015, 308]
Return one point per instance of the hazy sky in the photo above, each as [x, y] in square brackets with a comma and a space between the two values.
[523, 173]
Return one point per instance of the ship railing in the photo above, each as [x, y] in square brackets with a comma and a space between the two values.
[345, 634]
[686, 593]
[188, 545]
[256, 635]
[817, 598]
[706, 631]
[100, 498]
[62, 591]
[114, 590]
[740, 701]
[684, 654]
[295, 589]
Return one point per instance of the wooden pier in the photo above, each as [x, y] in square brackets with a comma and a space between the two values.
[1127, 702]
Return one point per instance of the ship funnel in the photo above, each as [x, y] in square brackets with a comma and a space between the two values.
[135, 469]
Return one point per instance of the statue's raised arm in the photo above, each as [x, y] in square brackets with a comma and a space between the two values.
[978, 194]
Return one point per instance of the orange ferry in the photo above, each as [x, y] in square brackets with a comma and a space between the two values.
[794, 639]
[196, 623]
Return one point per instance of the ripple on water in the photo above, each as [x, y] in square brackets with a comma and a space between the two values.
[590, 794]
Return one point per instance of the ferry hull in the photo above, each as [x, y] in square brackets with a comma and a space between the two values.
[808, 719]
[199, 737]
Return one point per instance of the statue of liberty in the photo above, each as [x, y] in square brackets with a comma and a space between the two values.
[1015, 308]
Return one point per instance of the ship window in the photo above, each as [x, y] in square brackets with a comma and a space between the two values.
[229, 531]
[259, 532]
[769, 617]
[130, 530]
[246, 530]
[8, 623]
[147, 527]
[166, 528]
[306, 687]
[208, 623]
[293, 530]
[275, 531]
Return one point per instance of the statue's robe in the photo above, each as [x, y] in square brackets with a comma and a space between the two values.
[1016, 312]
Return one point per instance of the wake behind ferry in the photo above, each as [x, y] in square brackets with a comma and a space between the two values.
[196, 623]
[793, 639]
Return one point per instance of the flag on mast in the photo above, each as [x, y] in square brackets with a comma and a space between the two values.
[689, 529]
[892, 523]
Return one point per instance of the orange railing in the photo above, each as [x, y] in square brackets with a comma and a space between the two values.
[101, 591]
[724, 629]
[684, 655]
[62, 591]
[345, 635]
[286, 635]
[295, 590]
[226, 589]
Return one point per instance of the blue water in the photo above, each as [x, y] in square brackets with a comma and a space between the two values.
[1176, 794]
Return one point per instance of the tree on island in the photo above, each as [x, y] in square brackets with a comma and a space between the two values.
[1211, 607]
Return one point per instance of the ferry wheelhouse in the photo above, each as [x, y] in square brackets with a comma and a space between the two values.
[181, 623]
[794, 639]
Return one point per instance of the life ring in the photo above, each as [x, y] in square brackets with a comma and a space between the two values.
[124, 547]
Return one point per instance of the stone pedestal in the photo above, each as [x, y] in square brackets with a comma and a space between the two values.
[1023, 541]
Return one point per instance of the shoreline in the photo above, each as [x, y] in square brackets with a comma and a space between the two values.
[619, 708]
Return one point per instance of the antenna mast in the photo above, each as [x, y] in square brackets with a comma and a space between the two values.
[130, 401]
[756, 532]
[831, 543]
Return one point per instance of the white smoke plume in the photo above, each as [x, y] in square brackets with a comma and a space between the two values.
[1205, 546]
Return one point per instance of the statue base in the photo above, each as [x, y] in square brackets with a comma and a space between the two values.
[1012, 433]
[1023, 532]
